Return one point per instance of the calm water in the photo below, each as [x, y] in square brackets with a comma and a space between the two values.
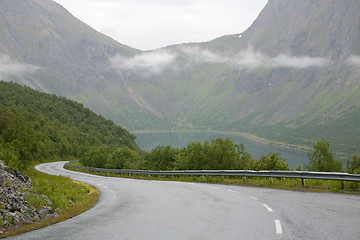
[151, 140]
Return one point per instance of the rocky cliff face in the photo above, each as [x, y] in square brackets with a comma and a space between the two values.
[306, 28]
[17, 201]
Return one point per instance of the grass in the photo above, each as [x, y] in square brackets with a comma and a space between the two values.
[69, 197]
[311, 185]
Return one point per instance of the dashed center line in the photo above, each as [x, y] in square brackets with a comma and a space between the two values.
[253, 198]
[267, 207]
[232, 191]
[278, 227]
[112, 191]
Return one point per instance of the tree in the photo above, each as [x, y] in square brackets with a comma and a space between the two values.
[353, 166]
[161, 158]
[219, 154]
[321, 158]
[5, 120]
[244, 157]
[118, 157]
[190, 158]
[223, 154]
[96, 157]
[270, 161]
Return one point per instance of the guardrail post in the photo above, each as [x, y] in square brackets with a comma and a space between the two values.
[271, 179]
[129, 174]
[343, 184]
[203, 177]
[303, 182]
[244, 179]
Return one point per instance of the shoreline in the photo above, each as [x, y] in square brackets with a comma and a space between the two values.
[248, 136]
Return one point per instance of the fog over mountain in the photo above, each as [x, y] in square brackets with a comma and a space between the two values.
[293, 76]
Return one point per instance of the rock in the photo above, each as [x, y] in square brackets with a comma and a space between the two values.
[2, 165]
[15, 210]
[44, 212]
[21, 176]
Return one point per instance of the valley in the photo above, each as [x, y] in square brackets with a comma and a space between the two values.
[288, 78]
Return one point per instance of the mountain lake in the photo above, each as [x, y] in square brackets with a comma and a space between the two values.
[148, 141]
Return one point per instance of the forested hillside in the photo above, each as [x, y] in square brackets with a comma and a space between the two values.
[36, 126]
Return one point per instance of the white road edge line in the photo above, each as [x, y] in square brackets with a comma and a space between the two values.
[267, 207]
[278, 227]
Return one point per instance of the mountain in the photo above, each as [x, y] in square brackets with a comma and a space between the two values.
[293, 76]
[43, 46]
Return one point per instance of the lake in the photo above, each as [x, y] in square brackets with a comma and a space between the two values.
[147, 141]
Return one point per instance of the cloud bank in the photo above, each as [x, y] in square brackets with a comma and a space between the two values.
[152, 63]
[197, 54]
[254, 59]
[10, 67]
[146, 63]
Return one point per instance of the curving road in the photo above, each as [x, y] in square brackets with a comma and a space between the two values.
[140, 209]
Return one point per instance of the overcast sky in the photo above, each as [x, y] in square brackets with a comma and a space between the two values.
[151, 24]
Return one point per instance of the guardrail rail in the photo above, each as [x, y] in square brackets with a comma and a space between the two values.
[240, 173]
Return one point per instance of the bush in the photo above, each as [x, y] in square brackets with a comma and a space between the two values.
[109, 157]
[353, 166]
[270, 161]
[322, 158]
[161, 158]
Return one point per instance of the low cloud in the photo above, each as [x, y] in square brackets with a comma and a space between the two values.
[283, 60]
[10, 67]
[197, 54]
[151, 63]
[251, 59]
[354, 60]
[146, 63]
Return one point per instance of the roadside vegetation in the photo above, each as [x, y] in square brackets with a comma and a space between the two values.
[215, 155]
[67, 197]
[225, 154]
[37, 127]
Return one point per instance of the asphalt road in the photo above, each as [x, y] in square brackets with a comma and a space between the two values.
[140, 209]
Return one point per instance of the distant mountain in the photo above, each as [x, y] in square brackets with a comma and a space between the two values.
[293, 76]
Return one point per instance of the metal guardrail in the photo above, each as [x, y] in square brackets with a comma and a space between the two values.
[241, 173]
